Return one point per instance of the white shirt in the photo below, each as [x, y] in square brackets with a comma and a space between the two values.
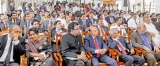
[63, 21]
[121, 27]
[141, 20]
[94, 7]
[100, 30]
[58, 31]
[151, 28]
[67, 8]
[132, 23]
[137, 19]
[75, 9]
[3, 57]
[13, 20]
[115, 27]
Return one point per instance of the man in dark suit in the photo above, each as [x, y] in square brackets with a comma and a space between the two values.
[82, 22]
[72, 47]
[98, 48]
[142, 39]
[110, 19]
[158, 17]
[48, 23]
[14, 19]
[123, 19]
[27, 21]
[11, 47]
[158, 26]
[11, 7]
[58, 29]
[119, 43]
[90, 20]
[103, 29]
[5, 23]
[39, 15]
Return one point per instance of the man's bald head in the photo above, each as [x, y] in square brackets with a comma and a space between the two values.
[14, 29]
[141, 27]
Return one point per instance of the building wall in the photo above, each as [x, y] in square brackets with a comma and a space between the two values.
[157, 10]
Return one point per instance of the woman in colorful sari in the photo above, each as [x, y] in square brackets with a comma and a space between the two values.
[39, 50]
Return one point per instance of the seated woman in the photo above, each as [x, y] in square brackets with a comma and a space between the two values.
[39, 49]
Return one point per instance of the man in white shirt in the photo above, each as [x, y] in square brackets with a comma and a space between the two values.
[61, 18]
[118, 26]
[138, 13]
[153, 31]
[93, 6]
[132, 23]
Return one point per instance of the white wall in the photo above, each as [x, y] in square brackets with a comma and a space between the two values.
[157, 10]
[0, 8]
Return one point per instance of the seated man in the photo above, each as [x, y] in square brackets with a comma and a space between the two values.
[152, 30]
[141, 39]
[98, 48]
[103, 29]
[132, 23]
[11, 47]
[35, 23]
[57, 30]
[119, 43]
[118, 25]
[72, 47]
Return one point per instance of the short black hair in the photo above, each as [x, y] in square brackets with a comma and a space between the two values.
[13, 13]
[19, 10]
[35, 20]
[55, 23]
[109, 13]
[99, 19]
[120, 13]
[145, 13]
[152, 14]
[141, 14]
[71, 26]
[157, 14]
[118, 18]
[26, 13]
[34, 29]
[82, 14]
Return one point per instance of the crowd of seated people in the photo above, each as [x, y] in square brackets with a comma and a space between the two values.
[78, 35]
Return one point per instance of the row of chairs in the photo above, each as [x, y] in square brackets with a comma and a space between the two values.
[113, 53]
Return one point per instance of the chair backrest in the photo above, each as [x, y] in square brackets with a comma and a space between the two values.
[129, 33]
[44, 35]
[57, 40]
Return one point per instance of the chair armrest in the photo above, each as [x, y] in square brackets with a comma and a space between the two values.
[23, 60]
[140, 51]
[111, 52]
[88, 54]
[118, 54]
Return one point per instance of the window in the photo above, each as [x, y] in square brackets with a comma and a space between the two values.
[152, 6]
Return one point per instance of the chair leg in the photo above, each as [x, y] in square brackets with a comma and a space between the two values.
[60, 59]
